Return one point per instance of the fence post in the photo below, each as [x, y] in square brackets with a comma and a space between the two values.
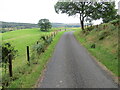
[28, 58]
[10, 65]
[54, 34]
[37, 42]
[47, 36]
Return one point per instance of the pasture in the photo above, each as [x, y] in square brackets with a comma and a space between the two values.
[20, 39]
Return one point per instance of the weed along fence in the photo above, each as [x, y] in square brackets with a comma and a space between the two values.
[39, 47]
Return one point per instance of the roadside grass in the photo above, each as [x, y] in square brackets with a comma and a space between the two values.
[33, 72]
[106, 46]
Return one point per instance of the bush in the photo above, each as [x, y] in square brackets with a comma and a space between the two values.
[48, 41]
[93, 45]
[8, 49]
[39, 48]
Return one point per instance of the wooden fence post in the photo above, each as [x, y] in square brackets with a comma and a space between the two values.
[37, 42]
[54, 34]
[28, 58]
[47, 36]
[10, 65]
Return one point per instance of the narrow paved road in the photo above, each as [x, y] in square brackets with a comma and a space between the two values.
[72, 67]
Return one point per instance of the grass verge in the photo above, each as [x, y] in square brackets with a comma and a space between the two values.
[102, 54]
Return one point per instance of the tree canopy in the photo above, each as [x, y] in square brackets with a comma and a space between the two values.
[106, 11]
[44, 24]
[93, 10]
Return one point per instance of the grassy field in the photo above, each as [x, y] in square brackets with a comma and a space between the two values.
[23, 74]
[20, 39]
[105, 41]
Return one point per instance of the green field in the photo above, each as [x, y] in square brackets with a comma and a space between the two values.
[20, 39]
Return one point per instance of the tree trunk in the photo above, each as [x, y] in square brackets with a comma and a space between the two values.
[82, 25]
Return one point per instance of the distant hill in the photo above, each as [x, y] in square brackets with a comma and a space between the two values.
[29, 25]
[17, 25]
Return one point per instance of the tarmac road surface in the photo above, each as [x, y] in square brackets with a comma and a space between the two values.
[72, 67]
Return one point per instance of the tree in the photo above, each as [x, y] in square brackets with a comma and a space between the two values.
[73, 8]
[94, 10]
[44, 24]
[8, 54]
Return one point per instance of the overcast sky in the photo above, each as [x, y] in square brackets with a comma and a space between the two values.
[31, 11]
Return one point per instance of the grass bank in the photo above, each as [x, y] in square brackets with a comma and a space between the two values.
[102, 42]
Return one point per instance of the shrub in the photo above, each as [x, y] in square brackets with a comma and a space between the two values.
[8, 49]
[39, 48]
[93, 45]
[48, 41]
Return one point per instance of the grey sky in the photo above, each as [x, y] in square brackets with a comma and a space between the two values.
[30, 11]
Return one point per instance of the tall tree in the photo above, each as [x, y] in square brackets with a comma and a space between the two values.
[93, 10]
[44, 24]
[73, 8]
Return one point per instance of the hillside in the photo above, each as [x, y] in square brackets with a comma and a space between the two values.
[17, 25]
[30, 25]
[102, 42]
